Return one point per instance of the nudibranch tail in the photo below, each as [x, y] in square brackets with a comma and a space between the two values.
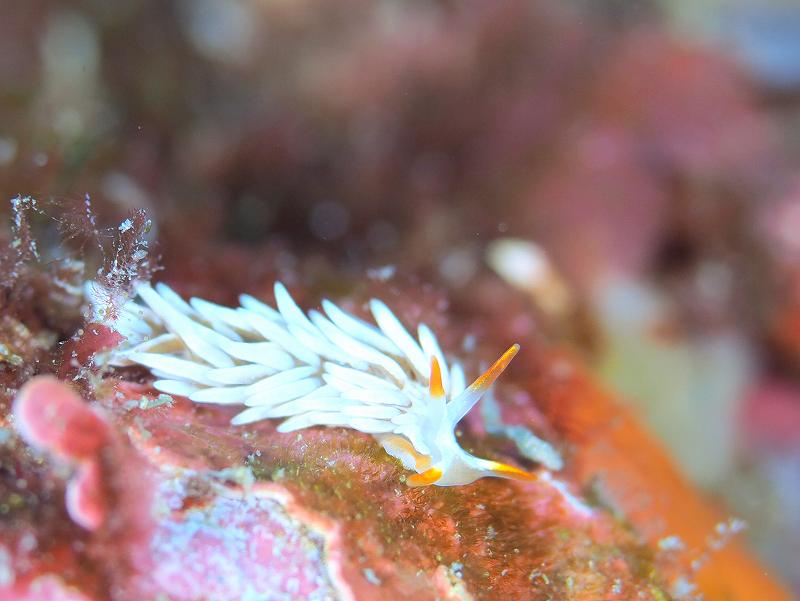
[503, 470]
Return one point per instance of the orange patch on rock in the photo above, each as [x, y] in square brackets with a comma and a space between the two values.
[615, 456]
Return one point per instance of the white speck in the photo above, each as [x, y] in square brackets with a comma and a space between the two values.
[6, 568]
[527, 267]
[573, 501]
[124, 190]
[671, 543]
[725, 531]
[125, 225]
[8, 151]
[382, 274]
[682, 589]
[28, 542]
[469, 343]
[371, 577]
[459, 266]
[221, 29]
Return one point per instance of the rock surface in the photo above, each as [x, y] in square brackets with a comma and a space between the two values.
[134, 496]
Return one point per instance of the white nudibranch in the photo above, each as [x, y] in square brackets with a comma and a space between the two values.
[315, 369]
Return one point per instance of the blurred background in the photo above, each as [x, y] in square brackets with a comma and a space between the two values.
[629, 168]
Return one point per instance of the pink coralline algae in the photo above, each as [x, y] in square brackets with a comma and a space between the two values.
[81, 349]
[366, 535]
[203, 510]
[237, 545]
[46, 588]
[85, 502]
[68, 500]
[53, 418]
[139, 495]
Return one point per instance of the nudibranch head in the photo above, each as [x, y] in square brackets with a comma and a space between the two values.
[315, 369]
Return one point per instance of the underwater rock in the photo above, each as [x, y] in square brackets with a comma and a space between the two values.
[79, 351]
[77, 498]
[161, 498]
[53, 418]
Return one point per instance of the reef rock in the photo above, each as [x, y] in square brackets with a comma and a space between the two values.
[136, 495]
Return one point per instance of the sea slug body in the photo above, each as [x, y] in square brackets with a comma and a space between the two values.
[314, 369]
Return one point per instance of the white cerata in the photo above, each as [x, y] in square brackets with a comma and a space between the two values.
[315, 369]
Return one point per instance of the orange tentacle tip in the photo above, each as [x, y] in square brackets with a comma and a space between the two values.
[491, 374]
[436, 387]
[425, 478]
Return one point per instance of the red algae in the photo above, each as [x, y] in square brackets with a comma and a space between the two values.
[53, 418]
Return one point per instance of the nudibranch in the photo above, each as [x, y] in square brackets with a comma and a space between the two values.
[315, 369]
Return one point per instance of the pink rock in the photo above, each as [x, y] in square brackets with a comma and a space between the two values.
[53, 418]
[44, 588]
[85, 499]
[81, 349]
[235, 545]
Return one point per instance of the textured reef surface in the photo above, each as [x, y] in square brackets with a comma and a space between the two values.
[571, 176]
[137, 495]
